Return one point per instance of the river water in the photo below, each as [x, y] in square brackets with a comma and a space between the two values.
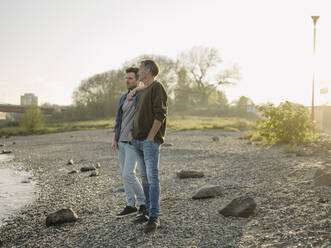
[16, 188]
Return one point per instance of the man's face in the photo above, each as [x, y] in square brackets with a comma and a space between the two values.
[131, 80]
[142, 73]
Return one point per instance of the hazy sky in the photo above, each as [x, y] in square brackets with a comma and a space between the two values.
[48, 46]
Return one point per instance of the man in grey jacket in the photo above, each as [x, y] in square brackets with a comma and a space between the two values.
[126, 153]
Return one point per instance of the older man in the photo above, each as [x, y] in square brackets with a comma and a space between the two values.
[148, 134]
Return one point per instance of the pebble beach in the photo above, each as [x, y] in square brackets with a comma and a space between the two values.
[291, 211]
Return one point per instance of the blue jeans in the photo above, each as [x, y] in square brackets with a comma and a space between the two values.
[148, 162]
[128, 161]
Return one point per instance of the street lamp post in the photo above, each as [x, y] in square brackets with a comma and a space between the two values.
[315, 18]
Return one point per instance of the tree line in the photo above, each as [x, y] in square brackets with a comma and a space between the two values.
[194, 81]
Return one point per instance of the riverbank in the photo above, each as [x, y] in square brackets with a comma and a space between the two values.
[291, 211]
[175, 123]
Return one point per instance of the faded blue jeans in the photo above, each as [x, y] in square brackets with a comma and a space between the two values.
[148, 162]
[128, 162]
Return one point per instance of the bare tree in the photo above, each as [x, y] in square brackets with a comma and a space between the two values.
[203, 70]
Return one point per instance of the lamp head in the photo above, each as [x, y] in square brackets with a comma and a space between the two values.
[315, 18]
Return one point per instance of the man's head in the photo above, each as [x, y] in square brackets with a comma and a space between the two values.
[131, 77]
[148, 69]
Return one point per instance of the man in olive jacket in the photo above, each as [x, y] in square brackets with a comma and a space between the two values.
[148, 134]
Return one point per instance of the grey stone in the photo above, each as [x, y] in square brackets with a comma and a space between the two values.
[311, 174]
[189, 174]
[97, 165]
[208, 191]
[73, 172]
[87, 168]
[6, 152]
[95, 174]
[61, 216]
[323, 180]
[304, 152]
[215, 138]
[167, 144]
[70, 162]
[26, 181]
[240, 207]
[323, 200]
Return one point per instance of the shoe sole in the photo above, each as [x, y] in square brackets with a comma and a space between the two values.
[139, 221]
[123, 216]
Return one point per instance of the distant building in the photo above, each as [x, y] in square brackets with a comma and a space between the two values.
[2, 116]
[29, 99]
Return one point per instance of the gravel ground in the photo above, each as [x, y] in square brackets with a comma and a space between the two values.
[291, 211]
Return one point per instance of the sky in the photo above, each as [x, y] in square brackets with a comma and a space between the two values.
[47, 47]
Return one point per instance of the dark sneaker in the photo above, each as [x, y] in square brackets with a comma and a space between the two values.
[142, 210]
[141, 219]
[152, 224]
[127, 211]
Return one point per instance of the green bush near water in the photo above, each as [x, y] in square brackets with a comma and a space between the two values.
[287, 123]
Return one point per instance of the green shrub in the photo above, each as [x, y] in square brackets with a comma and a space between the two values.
[286, 123]
[256, 136]
[32, 120]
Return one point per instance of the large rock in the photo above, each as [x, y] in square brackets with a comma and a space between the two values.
[6, 152]
[87, 168]
[323, 180]
[313, 173]
[167, 144]
[73, 172]
[240, 207]
[190, 174]
[61, 216]
[208, 191]
[304, 152]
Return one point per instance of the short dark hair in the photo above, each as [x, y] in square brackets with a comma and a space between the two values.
[152, 66]
[133, 70]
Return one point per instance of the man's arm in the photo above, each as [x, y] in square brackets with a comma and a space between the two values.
[133, 92]
[160, 108]
[116, 126]
[155, 128]
[114, 144]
